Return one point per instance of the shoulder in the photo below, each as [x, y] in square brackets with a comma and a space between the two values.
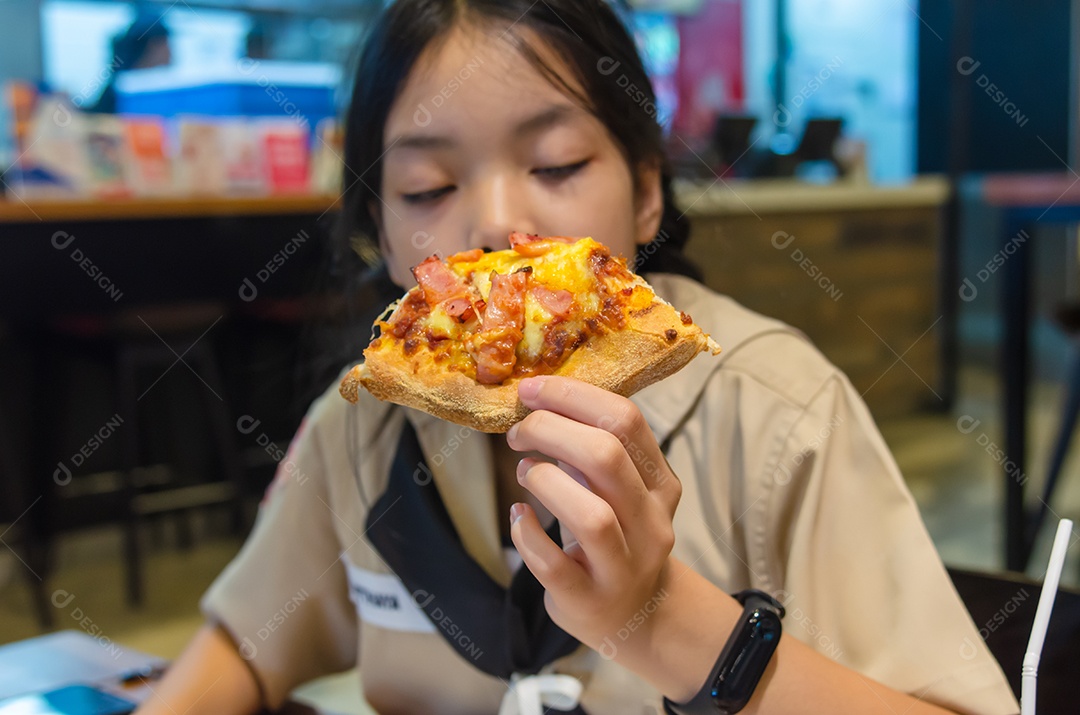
[773, 355]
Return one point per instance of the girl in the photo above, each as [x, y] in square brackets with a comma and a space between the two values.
[393, 541]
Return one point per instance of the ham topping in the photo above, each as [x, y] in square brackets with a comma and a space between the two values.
[438, 282]
[460, 309]
[442, 285]
[556, 302]
[527, 244]
[473, 254]
[502, 326]
[506, 301]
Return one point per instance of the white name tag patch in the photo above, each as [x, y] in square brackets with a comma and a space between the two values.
[382, 600]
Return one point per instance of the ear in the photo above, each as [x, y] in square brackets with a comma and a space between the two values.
[649, 202]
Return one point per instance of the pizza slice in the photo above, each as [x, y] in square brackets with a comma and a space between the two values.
[457, 344]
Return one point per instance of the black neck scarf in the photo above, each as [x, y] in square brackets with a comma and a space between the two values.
[499, 630]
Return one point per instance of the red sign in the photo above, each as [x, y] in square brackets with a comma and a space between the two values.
[709, 77]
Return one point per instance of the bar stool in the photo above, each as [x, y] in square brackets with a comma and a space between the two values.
[18, 526]
[140, 342]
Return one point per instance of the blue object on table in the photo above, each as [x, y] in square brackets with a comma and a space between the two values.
[70, 700]
[300, 91]
[65, 658]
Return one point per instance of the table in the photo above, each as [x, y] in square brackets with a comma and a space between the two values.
[72, 657]
[1003, 607]
[1024, 201]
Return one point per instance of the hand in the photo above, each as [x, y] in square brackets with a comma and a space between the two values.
[612, 489]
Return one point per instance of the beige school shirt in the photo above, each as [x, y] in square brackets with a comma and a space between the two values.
[787, 487]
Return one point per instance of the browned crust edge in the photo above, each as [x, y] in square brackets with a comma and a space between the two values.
[623, 362]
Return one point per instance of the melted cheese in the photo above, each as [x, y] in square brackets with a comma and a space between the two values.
[441, 324]
[536, 318]
[564, 267]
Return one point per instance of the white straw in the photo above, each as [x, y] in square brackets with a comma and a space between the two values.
[1030, 671]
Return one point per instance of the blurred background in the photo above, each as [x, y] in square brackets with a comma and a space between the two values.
[898, 179]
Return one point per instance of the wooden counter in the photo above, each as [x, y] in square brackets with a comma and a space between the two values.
[12, 210]
[785, 196]
[729, 198]
[855, 267]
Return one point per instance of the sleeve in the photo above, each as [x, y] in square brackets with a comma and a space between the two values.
[284, 599]
[862, 581]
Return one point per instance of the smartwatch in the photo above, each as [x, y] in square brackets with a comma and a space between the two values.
[742, 662]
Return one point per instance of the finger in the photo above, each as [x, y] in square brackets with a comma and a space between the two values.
[596, 454]
[551, 566]
[612, 413]
[586, 515]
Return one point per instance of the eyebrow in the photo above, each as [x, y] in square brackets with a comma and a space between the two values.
[545, 119]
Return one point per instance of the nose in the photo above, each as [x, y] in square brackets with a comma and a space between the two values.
[499, 207]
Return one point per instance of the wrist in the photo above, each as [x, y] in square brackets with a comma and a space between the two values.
[742, 663]
[684, 630]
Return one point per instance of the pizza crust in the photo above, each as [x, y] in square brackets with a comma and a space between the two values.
[622, 362]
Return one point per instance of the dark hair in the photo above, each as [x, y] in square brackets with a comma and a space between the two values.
[586, 34]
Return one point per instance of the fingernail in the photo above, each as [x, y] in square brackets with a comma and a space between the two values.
[516, 512]
[522, 468]
[529, 388]
[511, 433]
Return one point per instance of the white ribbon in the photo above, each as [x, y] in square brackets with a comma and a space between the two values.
[530, 694]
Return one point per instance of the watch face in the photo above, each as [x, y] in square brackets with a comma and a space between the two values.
[742, 662]
[751, 647]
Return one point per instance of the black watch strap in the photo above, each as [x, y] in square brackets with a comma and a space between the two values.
[742, 662]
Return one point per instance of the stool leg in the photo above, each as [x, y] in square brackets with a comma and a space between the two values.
[129, 449]
[27, 534]
[185, 537]
[40, 528]
[37, 557]
[223, 429]
[1061, 445]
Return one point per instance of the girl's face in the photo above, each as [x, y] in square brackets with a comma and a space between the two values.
[480, 144]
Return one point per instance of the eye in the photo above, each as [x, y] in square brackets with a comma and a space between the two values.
[561, 172]
[427, 196]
